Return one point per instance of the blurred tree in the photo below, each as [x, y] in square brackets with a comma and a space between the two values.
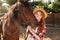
[48, 5]
[11, 2]
[57, 5]
[3, 6]
[54, 6]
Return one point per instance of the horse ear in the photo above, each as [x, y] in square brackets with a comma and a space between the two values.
[15, 12]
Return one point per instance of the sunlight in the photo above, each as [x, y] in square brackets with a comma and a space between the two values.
[31, 1]
[52, 0]
[34, 0]
[5, 4]
[2, 0]
[45, 1]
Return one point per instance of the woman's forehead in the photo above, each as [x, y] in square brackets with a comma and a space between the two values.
[39, 13]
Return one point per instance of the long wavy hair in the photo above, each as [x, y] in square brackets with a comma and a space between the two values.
[42, 21]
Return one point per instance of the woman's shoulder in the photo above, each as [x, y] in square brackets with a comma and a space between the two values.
[44, 26]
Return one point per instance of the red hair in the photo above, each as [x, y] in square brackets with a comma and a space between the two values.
[44, 16]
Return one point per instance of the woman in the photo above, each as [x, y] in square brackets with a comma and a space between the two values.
[37, 32]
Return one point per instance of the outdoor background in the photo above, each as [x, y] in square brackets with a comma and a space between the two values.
[52, 21]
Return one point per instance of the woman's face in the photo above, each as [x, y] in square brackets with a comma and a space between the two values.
[38, 16]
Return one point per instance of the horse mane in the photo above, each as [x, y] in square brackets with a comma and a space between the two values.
[17, 8]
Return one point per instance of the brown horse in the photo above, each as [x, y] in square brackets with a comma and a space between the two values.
[19, 13]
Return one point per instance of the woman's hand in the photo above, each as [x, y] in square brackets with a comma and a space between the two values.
[34, 34]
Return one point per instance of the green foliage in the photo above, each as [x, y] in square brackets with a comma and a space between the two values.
[3, 9]
[48, 6]
[11, 2]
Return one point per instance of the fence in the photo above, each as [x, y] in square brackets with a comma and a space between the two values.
[53, 20]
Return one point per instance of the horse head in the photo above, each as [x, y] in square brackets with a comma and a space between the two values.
[24, 13]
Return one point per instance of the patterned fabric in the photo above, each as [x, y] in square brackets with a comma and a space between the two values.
[40, 34]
